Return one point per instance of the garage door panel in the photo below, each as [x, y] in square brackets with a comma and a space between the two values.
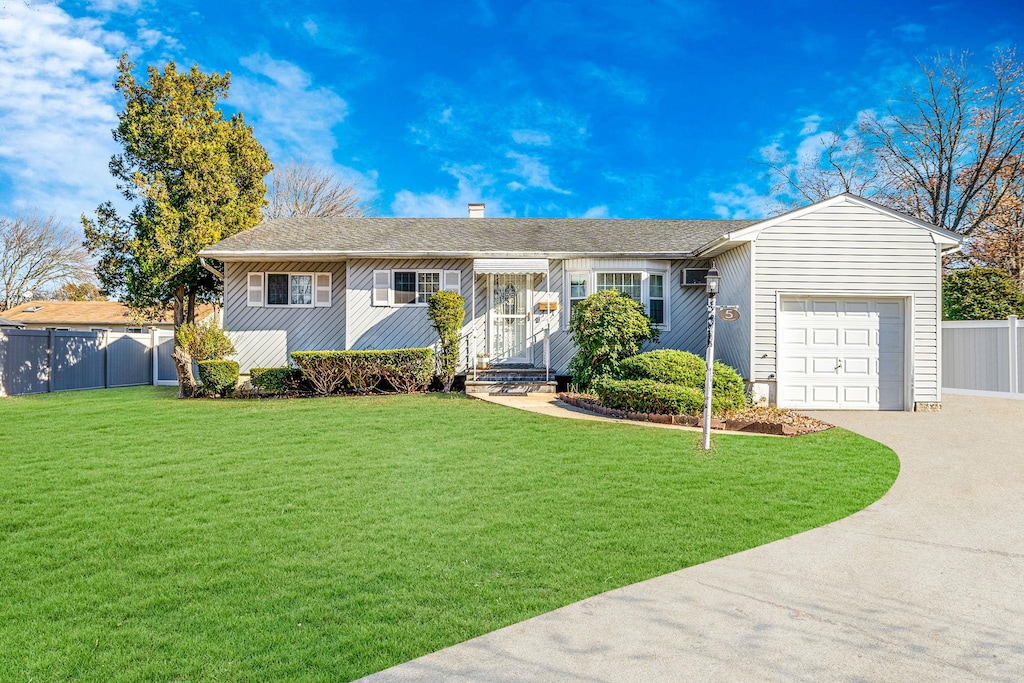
[824, 307]
[863, 366]
[857, 337]
[794, 364]
[794, 305]
[858, 395]
[795, 336]
[827, 336]
[827, 393]
[824, 366]
[841, 353]
[859, 309]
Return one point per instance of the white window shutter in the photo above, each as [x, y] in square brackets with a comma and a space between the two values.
[322, 290]
[254, 290]
[452, 281]
[381, 288]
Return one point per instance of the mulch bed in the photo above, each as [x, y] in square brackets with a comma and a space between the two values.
[755, 420]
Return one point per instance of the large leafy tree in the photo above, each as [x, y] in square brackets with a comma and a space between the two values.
[193, 177]
[980, 294]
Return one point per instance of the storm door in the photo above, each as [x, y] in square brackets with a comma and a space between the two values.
[510, 318]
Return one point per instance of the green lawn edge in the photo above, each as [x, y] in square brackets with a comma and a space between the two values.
[147, 538]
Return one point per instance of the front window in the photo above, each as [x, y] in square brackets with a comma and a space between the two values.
[624, 283]
[577, 289]
[289, 289]
[415, 287]
[656, 299]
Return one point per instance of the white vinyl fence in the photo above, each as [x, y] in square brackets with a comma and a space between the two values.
[983, 356]
[40, 361]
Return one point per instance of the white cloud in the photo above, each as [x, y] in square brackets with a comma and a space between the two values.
[311, 27]
[531, 137]
[811, 124]
[535, 172]
[741, 201]
[596, 212]
[292, 117]
[57, 109]
[115, 6]
[472, 185]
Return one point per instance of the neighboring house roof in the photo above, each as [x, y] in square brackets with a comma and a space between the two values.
[98, 313]
[326, 238]
[4, 322]
[284, 238]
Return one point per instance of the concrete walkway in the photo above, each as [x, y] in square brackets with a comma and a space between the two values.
[927, 584]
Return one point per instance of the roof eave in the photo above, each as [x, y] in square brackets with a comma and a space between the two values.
[307, 255]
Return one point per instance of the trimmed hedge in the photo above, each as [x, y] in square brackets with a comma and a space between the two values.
[219, 377]
[275, 380]
[685, 369]
[402, 370]
[648, 396]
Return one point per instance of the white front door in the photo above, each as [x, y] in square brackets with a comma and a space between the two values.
[843, 353]
[510, 318]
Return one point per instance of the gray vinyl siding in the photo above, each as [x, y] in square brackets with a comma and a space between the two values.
[732, 339]
[850, 249]
[396, 327]
[263, 336]
[688, 305]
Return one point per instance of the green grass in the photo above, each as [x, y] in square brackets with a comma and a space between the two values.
[145, 538]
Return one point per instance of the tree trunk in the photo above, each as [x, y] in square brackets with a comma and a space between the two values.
[182, 361]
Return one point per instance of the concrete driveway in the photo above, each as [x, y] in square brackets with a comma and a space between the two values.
[927, 584]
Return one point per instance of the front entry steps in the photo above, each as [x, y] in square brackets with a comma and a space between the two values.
[511, 380]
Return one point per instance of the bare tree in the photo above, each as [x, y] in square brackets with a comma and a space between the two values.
[36, 253]
[842, 164]
[302, 189]
[998, 241]
[946, 152]
[951, 149]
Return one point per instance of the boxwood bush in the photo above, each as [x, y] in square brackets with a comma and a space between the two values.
[401, 370]
[219, 377]
[648, 396]
[685, 369]
[275, 380]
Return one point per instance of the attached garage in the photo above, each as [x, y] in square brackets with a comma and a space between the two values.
[842, 353]
[845, 305]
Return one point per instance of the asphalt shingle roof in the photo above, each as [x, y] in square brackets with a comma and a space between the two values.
[473, 237]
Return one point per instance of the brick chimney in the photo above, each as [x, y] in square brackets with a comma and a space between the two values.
[476, 210]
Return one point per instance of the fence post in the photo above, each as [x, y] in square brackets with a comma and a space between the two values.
[1014, 359]
[153, 339]
[49, 360]
[106, 359]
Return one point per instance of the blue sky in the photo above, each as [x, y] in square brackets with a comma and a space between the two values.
[646, 108]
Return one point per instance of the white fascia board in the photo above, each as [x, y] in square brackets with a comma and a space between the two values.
[307, 255]
[950, 241]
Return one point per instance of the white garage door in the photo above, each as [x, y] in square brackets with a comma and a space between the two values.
[841, 353]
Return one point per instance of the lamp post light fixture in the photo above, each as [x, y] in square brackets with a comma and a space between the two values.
[714, 283]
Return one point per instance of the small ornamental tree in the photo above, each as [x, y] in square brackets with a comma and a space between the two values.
[980, 294]
[606, 327]
[447, 311]
[204, 340]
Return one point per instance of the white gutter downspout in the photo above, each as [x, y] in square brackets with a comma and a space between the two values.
[216, 273]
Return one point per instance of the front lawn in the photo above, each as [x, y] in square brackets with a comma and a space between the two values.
[145, 538]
